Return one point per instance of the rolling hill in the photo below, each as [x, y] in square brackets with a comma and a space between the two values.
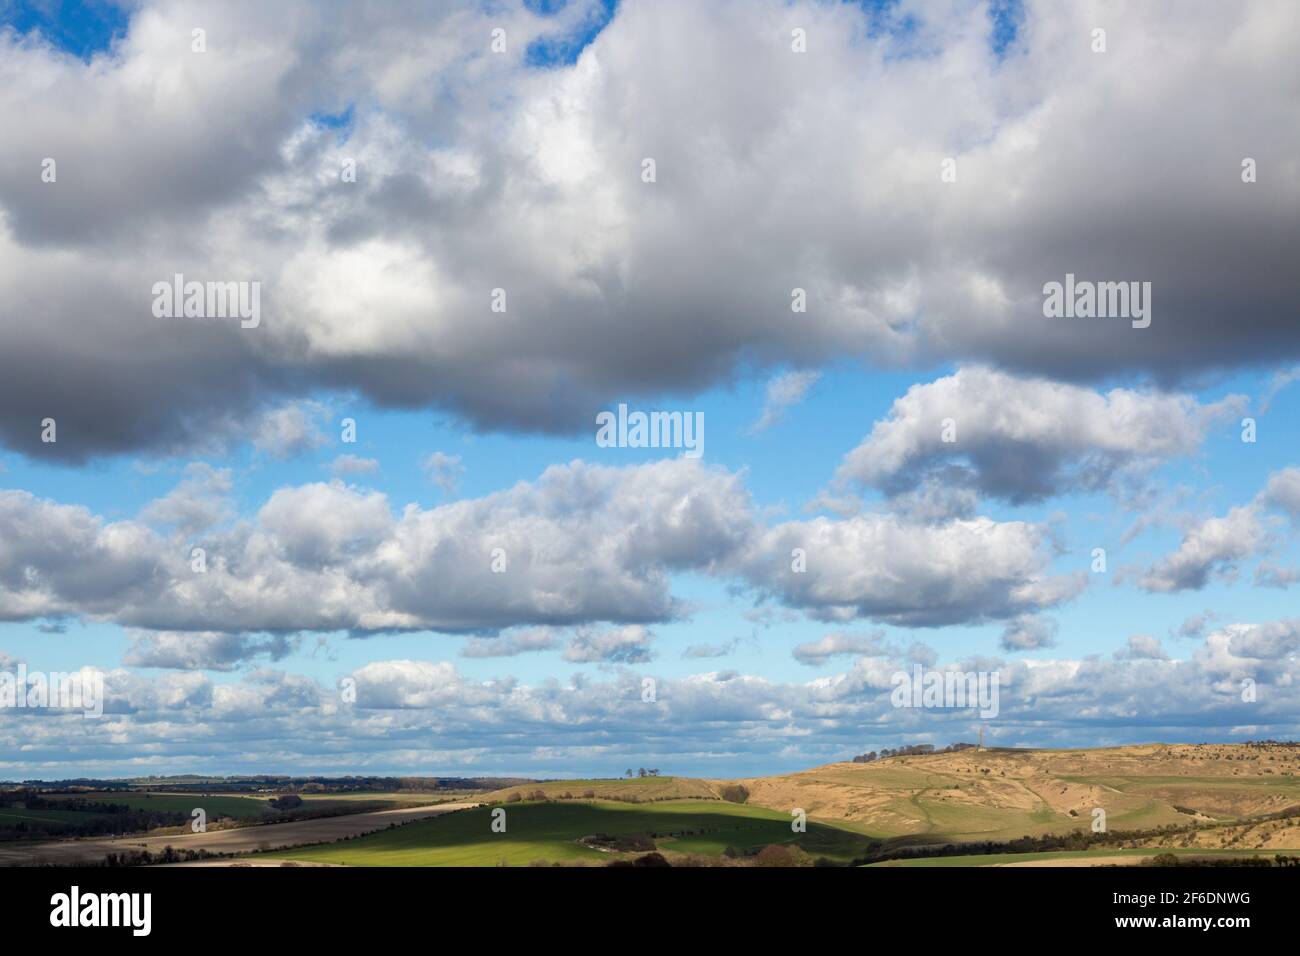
[1220, 799]
[1002, 794]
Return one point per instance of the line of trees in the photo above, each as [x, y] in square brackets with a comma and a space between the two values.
[909, 751]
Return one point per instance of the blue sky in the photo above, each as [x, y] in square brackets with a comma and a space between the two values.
[80, 27]
[523, 170]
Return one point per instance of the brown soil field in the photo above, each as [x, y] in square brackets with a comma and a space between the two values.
[270, 836]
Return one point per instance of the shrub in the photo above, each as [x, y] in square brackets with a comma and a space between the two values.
[735, 793]
[782, 855]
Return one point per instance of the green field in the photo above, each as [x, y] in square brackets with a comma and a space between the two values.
[615, 788]
[249, 807]
[550, 832]
[216, 805]
[9, 816]
[242, 807]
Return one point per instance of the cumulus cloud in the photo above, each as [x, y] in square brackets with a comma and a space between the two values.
[882, 567]
[198, 502]
[1142, 647]
[345, 466]
[1023, 439]
[409, 713]
[1269, 574]
[1194, 626]
[783, 391]
[403, 684]
[290, 430]
[1272, 641]
[1210, 548]
[203, 650]
[1029, 632]
[835, 645]
[58, 560]
[583, 544]
[512, 643]
[478, 172]
[444, 471]
[620, 645]
[1283, 491]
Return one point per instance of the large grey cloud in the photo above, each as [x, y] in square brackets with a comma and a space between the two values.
[476, 171]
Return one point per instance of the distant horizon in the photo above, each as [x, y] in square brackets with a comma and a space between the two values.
[534, 777]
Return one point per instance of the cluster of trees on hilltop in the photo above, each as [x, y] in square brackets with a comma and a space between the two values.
[909, 751]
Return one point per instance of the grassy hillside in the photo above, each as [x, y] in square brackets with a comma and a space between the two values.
[10, 816]
[640, 789]
[550, 832]
[1003, 794]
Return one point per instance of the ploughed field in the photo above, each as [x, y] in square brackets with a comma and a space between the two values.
[118, 811]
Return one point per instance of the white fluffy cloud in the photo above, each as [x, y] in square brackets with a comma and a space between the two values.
[621, 645]
[1210, 547]
[583, 544]
[835, 645]
[1029, 632]
[888, 569]
[202, 650]
[511, 643]
[1283, 491]
[1024, 438]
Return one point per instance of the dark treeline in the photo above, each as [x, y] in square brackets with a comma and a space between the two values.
[109, 818]
[909, 751]
[273, 782]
